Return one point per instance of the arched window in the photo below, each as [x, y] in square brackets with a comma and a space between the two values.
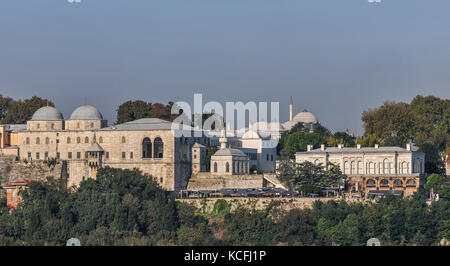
[78, 125]
[346, 167]
[353, 165]
[27, 141]
[385, 166]
[92, 125]
[68, 140]
[86, 140]
[123, 139]
[52, 126]
[360, 168]
[405, 168]
[38, 125]
[398, 183]
[384, 183]
[100, 140]
[227, 167]
[146, 148]
[372, 168]
[78, 140]
[158, 148]
[411, 183]
[215, 167]
[38, 141]
[47, 140]
[316, 162]
[371, 183]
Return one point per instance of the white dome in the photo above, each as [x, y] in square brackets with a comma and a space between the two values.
[86, 112]
[306, 117]
[47, 113]
[250, 134]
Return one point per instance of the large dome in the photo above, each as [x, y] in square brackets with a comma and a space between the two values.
[86, 112]
[47, 113]
[306, 117]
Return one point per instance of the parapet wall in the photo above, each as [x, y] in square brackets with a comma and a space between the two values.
[206, 181]
[12, 170]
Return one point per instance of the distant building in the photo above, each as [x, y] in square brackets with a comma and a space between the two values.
[12, 193]
[307, 119]
[373, 170]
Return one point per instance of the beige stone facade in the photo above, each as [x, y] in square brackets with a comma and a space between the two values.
[85, 145]
[372, 170]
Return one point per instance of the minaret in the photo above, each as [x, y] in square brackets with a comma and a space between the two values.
[291, 106]
[223, 139]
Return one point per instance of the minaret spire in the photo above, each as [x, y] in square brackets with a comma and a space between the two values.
[223, 138]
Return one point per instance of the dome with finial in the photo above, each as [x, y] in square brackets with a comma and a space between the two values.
[306, 117]
[47, 113]
[86, 112]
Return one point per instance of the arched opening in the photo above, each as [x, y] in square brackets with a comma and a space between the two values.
[100, 140]
[384, 183]
[371, 183]
[78, 140]
[68, 140]
[227, 167]
[215, 167]
[47, 140]
[372, 168]
[411, 183]
[123, 139]
[86, 140]
[158, 148]
[146, 148]
[316, 162]
[398, 183]
[38, 141]
[27, 141]
[353, 166]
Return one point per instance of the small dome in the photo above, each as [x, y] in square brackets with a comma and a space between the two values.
[229, 152]
[306, 117]
[86, 112]
[47, 113]
[250, 134]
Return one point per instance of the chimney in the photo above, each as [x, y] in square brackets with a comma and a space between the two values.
[322, 147]
[408, 146]
[358, 146]
[309, 147]
[376, 146]
[340, 146]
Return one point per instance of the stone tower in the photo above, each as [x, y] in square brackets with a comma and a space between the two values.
[198, 158]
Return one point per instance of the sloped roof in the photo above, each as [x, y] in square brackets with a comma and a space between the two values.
[356, 150]
[95, 148]
[229, 152]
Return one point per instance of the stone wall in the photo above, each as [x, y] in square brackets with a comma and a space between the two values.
[207, 204]
[12, 170]
[206, 181]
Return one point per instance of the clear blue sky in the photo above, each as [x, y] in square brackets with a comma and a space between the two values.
[337, 57]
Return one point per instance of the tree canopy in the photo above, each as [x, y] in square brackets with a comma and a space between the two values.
[19, 111]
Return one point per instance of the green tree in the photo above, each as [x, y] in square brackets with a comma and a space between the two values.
[434, 183]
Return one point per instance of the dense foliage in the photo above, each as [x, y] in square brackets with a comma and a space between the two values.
[124, 207]
[132, 110]
[18, 112]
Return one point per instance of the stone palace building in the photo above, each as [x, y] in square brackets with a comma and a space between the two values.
[372, 170]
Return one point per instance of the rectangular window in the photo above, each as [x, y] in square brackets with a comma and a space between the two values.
[69, 155]
[37, 155]
[131, 155]
[57, 155]
[123, 155]
[107, 155]
[78, 155]
[85, 155]
[46, 155]
[29, 155]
